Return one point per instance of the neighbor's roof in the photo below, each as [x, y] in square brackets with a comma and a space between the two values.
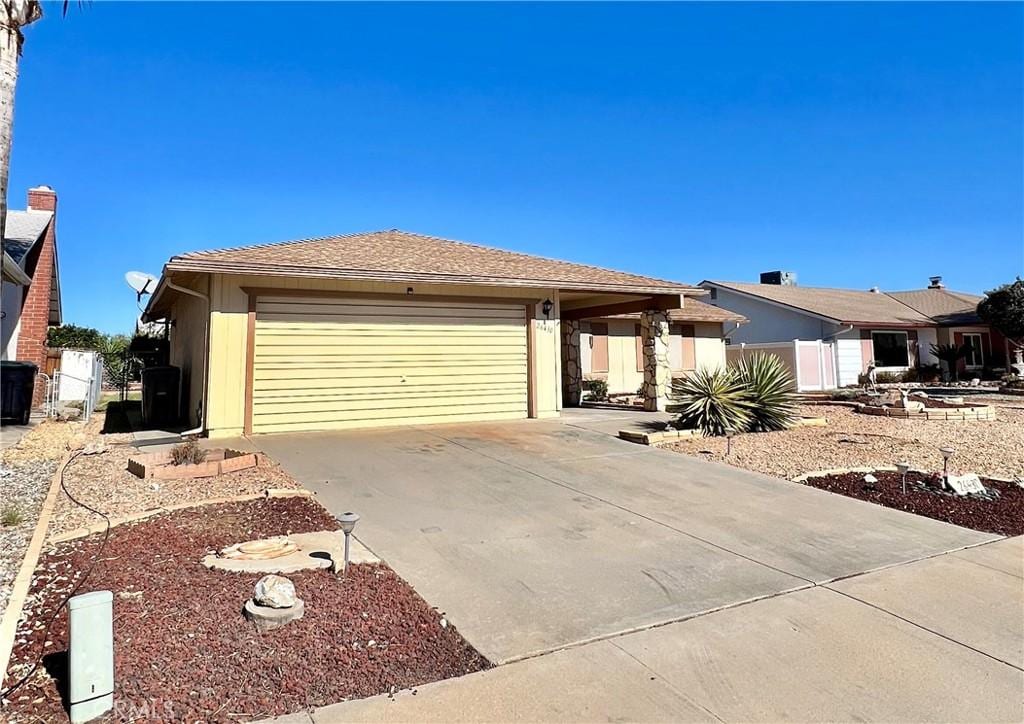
[693, 311]
[23, 230]
[406, 257]
[845, 306]
[942, 305]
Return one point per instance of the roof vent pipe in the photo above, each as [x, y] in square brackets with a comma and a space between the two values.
[935, 283]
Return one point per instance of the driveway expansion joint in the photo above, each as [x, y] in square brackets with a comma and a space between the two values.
[923, 628]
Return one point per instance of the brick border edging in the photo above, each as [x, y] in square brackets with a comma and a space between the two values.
[667, 436]
[23, 581]
[973, 414]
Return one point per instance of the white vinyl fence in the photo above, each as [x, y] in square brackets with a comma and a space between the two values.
[810, 362]
[79, 379]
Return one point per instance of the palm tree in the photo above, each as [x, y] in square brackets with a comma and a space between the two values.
[14, 15]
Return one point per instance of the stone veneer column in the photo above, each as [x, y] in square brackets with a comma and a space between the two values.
[572, 371]
[654, 335]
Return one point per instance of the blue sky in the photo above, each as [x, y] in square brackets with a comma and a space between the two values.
[858, 145]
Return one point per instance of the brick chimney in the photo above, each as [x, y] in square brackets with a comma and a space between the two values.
[35, 312]
[42, 198]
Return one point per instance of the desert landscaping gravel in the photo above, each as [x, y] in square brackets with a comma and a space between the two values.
[26, 471]
[24, 486]
[992, 448]
[184, 652]
[103, 482]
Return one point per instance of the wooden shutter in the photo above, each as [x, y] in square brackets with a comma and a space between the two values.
[598, 347]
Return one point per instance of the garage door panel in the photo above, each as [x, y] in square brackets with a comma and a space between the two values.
[392, 345]
[465, 358]
[397, 412]
[372, 381]
[330, 405]
[331, 364]
[477, 389]
[370, 372]
[364, 314]
[452, 418]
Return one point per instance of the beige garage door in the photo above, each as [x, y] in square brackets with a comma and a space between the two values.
[329, 363]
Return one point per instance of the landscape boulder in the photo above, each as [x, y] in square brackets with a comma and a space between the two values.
[275, 591]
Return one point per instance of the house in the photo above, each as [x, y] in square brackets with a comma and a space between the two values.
[392, 328]
[830, 336]
[30, 288]
[612, 346]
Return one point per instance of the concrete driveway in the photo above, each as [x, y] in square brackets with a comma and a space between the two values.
[535, 536]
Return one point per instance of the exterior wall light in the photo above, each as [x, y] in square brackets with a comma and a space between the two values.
[546, 307]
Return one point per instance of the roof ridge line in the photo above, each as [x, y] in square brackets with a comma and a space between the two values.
[532, 256]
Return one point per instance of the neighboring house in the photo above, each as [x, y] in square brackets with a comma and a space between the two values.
[390, 328]
[837, 333]
[30, 293]
[612, 347]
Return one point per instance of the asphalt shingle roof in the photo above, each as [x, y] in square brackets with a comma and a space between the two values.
[407, 257]
[694, 311]
[847, 306]
[942, 305]
[23, 230]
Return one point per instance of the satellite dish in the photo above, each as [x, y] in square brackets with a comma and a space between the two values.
[141, 282]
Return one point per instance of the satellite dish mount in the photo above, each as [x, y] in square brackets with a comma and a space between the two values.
[141, 282]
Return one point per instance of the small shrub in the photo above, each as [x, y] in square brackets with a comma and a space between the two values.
[888, 378]
[11, 517]
[712, 401]
[769, 392]
[929, 373]
[187, 453]
[598, 389]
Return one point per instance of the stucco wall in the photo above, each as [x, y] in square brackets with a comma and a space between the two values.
[709, 347]
[624, 377]
[228, 328]
[769, 323]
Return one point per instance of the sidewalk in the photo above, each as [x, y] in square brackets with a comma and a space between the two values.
[938, 639]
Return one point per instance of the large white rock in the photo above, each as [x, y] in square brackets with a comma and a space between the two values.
[275, 592]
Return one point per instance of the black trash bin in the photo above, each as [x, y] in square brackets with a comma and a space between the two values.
[161, 387]
[17, 383]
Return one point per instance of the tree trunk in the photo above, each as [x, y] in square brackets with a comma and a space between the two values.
[14, 15]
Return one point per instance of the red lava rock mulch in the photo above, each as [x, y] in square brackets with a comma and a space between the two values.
[182, 648]
[1003, 515]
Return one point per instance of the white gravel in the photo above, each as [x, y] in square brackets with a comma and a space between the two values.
[851, 439]
[23, 486]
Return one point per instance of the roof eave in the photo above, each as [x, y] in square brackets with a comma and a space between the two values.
[276, 270]
[12, 271]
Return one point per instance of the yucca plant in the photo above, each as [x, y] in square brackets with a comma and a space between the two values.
[770, 392]
[710, 400]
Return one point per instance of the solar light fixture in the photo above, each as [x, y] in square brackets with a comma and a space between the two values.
[729, 434]
[902, 469]
[347, 521]
[947, 453]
